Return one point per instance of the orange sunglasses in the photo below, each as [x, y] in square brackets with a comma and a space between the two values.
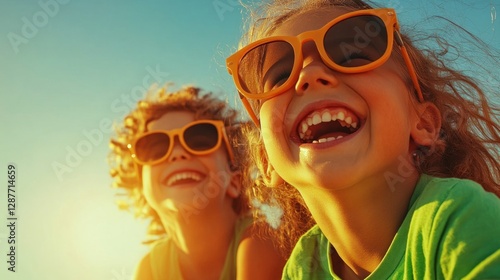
[198, 138]
[351, 43]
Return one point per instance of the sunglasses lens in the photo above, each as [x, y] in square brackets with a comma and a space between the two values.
[356, 41]
[201, 137]
[152, 147]
[266, 67]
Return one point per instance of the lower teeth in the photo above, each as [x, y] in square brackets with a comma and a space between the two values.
[323, 140]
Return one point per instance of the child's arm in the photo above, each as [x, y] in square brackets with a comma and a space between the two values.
[143, 269]
[258, 258]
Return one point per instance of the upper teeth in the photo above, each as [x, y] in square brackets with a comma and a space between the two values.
[182, 176]
[345, 118]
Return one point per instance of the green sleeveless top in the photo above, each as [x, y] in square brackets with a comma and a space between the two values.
[165, 262]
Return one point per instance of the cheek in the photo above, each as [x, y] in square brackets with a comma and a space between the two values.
[273, 115]
[275, 119]
[266, 112]
[271, 126]
[219, 168]
[148, 184]
[276, 145]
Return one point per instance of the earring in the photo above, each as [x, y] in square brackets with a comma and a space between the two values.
[416, 159]
[419, 154]
[234, 192]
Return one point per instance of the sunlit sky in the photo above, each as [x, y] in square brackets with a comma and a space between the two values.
[68, 69]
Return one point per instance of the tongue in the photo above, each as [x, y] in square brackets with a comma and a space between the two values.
[328, 129]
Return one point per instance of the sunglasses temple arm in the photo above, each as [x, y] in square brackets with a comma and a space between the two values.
[229, 148]
[409, 65]
[249, 109]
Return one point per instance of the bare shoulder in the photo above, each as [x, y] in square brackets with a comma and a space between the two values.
[258, 257]
[143, 269]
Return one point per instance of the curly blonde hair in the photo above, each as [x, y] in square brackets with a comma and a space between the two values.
[127, 175]
[469, 142]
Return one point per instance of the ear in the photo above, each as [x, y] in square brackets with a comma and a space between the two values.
[427, 124]
[273, 179]
[234, 188]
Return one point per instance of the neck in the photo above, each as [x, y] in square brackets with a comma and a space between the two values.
[202, 241]
[361, 221]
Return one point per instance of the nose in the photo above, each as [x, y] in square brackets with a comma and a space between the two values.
[178, 152]
[314, 74]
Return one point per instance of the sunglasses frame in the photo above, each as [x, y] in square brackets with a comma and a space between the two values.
[179, 132]
[387, 15]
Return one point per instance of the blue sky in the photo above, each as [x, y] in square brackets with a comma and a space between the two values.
[70, 68]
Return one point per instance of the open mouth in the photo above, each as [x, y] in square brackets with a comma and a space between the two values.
[187, 177]
[327, 125]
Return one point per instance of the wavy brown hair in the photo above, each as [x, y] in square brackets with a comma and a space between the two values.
[469, 142]
[127, 175]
